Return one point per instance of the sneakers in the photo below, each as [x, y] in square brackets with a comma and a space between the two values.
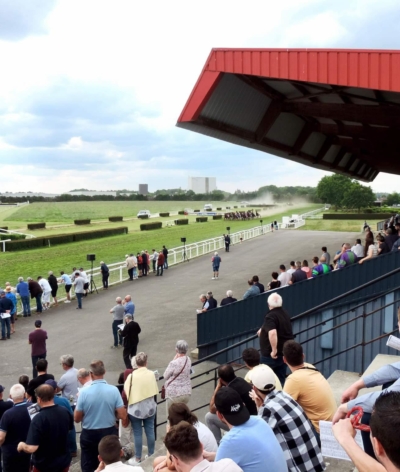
[213, 278]
[135, 462]
[67, 301]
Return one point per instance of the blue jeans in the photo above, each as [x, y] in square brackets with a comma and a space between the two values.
[160, 269]
[26, 305]
[39, 302]
[5, 326]
[34, 360]
[277, 365]
[79, 298]
[135, 272]
[148, 424]
[117, 337]
[166, 263]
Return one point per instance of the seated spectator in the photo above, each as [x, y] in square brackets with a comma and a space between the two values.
[252, 291]
[358, 249]
[369, 239]
[337, 255]
[383, 248]
[41, 367]
[284, 277]
[298, 275]
[396, 246]
[292, 268]
[275, 283]
[371, 253]
[110, 453]
[229, 298]
[226, 376]
[308, 387]
[346, 257]
[250, 442]
[256, 281]
[251, 358]
[186, 451]
[315, 261]
[289, 423]
[24, 381]
[321, 268]
[212, 302]
[390, 239]
[326, 254]
[205, 304]
[306, 269]
[384, 424]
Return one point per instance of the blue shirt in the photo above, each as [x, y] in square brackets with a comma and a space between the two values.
[252, 446]
[129, 308]
[13, 298]
[251, 292]
[23, 289]
[63, 402]
[98, 404]
[66, 279]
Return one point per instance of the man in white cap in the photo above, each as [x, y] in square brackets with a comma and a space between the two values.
[289, 423]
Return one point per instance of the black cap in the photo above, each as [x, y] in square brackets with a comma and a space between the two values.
[38, 323]
[229, 404]
[1, 389]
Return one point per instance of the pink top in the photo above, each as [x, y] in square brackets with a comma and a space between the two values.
[181, 385]
[307, 270]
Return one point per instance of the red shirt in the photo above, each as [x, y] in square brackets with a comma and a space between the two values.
[38, 340]
[161, 259]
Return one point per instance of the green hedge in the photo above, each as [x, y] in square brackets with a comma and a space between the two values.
[181, 212]
[82, 222]
[36, 225]
[3, 227]
[182, 221]
[219, 208]
[202, 219]
[152, 225]
[235, 207]
[217, 217]
[356, 216]
[13, 237]
[228, 208]
[164, 214]
[196, 211]
[115, 218]
[64, 238]
[143, 217]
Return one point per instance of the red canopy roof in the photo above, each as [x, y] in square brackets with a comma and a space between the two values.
[336, 110]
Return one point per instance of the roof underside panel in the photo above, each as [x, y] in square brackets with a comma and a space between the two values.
[333, 110]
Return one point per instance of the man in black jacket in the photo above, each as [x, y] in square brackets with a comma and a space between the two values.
[130, 333]
[6, 307]
[145, 262]
[229, 298]
[54, 286]
[105, 273]
[165, 252]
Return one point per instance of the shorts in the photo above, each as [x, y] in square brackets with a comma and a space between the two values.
[46, 297]
[54, 292]
[216, 268]
[68, 288]
[86, 285]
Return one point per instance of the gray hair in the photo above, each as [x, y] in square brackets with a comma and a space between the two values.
[182, 346]
[51, 272]
[118, 300]
[83, 373]
[67, 360]
[20, 279]
[133, 362]
[202, 296]
[229, 293]
[274, 300]
[209, 294]
[141, 359]
[17, 391]
[215, 253]
[298, 264]
[29, 278]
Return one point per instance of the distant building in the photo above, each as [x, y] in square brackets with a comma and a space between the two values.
[202, 184]
[143, 189]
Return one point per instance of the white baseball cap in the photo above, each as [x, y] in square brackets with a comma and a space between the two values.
[263, 378]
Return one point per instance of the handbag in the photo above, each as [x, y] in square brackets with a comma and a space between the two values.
[176, 376]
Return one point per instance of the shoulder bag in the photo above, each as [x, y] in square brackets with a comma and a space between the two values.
[176, 376]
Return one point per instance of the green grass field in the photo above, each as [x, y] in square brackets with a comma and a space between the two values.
[37, 262]
[337, 225]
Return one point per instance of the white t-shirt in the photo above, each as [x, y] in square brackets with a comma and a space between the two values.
[284, 278]
[84, 276]
[206, 437]
[358, 250]
[45, 285]
[290, 271]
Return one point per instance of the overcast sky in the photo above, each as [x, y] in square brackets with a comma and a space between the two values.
[90, 90]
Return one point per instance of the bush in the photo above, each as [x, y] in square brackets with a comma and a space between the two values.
[235, 207]
[100, 233]
[219, 208]
[143, 217]
[228, 208]
[152, 225]
[217, 217]
[115, 218]
[164, 214]
[182, 221]
[36, 225]
[356, 216]
[181, 212]
[82, 222]
[202, 219]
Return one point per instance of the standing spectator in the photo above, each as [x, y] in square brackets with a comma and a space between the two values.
[105, 273]
[140, 389]
[391, 237]
[227, 240]
[326, 254]
[42, 376]
[13, 312]
[289, 423]
[292, 268]
[129, 307]
[23, 292]
[251, 358]
[276, 225]
[130, 265]
[321, 268]
[308, 387]
[277, 329]
[6, 306]
[130, 333]
[52, 279]
[79, 287]
[14, 427]
[358, 249]
[252, 291]
[306, 269]
[36, 293]
[346, 257]
[85, 277]
[165, 252]
[154, 258]
[47, 439]
[160, 263]
[177, 376]
[84, 378]
[118, 312]
[275, 283]
[256, 281]
[46, 288]
[24, 381]
[284, 277]
[371, 253]
[97, 408]
[68, 284]
[68, 383]
[4, 406]
[37, 339]
[215, 261]
[145, 263]
[298, 275]
[139, 264]
[229, 298]
[272, 227]
[110, 453]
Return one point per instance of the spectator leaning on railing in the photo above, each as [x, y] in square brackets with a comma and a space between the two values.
[23, 292]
